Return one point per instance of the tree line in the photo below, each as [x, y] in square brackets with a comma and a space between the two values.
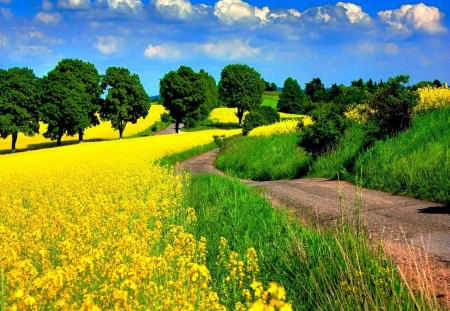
[69, 99]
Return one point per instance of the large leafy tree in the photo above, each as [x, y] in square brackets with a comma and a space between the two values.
[241, 87]
[316, 90]
[126, 101]
[71, 98]
[19, 103]
[188, 95]
[292, 99]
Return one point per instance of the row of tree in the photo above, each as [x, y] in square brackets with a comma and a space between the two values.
[69, 99]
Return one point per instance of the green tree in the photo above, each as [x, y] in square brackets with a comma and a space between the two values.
[241, 87]
[316, 90]
[71, 98]
[126, 100]
[292, 99]
[19, 103]
[187, 95]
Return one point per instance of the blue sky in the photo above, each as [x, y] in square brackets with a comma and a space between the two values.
[336, 41]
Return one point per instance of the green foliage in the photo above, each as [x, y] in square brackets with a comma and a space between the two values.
[19, 103]
[263, 115]
[263, 158]
[126, 100]
[241, 87]
[332, 270]
[70, 99]
[188, 95]
[392, 104]
[292, 99]
[316, 90]
[166, 118]
[172, 159]
[415, 163]
[339, 162]
[323, 135]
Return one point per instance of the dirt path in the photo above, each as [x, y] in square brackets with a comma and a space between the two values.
[415, 233]
[170, 129]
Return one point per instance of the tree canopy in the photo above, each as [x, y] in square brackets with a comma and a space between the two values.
[19, 103]
[316, 90]
[126, 101]
[188, 95]
[241, 87]
[292, 99]
[70, 99]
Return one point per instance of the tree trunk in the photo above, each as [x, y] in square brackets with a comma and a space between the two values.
[177, 126]
[13, 144]
[58, 141]
[240, 114]
[120, 133]
[80, 136]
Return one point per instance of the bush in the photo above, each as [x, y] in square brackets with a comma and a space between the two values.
[263, 115]
[166, 118]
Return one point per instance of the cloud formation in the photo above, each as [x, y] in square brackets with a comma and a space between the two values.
[108, 44]
[122, 5]
[180, 9]
[419, 17]
[232, 11]
[229, 49]
[164, 51]
[73, 4]
[48, 18]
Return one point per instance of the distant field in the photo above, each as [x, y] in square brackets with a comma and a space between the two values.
[271, 99]
[103, 131]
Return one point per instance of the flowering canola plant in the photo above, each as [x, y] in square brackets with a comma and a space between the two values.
[283, 127]
[228, 115]
[432, 98]
[100, 226]
[102, 131]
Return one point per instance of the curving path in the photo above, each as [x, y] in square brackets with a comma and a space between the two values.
[170, 129]
[415, 233]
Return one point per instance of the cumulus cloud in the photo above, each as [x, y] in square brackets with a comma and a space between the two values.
[74, 4]
[229, 50]
[122, 5]
[180, 9]
[164, 51]
[48, 18]
[232, 11]
[354, 12]
[418, 17]
[108, 44]
[343, 13]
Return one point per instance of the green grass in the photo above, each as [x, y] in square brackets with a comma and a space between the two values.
[414, 163]
[209, 125]
[333, 270]
[270, 99]
[339, 162]
[263, 158]
[154, 128]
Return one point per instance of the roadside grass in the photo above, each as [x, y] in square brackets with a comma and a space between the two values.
[174, 158]
[209, 125]
[339, 162]
[270, 99]
[328, 270]
[414, 163]
[153, 129]
[263, 158]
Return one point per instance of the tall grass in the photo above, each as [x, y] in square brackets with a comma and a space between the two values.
[415, 163]
[341, 160]
[332, 270]
[263, 158]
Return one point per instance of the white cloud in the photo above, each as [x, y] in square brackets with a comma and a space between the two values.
[295, 13]
[164, 51]
[370, 47]
[177, 8]
[354, 13]
[108, 44]
[419, 17]
[231, 11]
[48, 18]
[230, 50]
[123, 5]
[74, 4]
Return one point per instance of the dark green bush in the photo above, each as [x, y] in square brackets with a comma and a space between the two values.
[263, 115]
[166, 118]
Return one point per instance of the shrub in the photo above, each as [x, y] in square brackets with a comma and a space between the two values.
[166, 118]
[264, 115]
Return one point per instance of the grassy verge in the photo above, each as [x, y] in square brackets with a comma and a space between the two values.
[270, 99]
[155, 128]
[320, 270]
[208, 125]
[263, 158]
[414, 163]
[171, 159]
[339, 162]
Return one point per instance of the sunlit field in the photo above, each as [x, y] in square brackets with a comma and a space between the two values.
[228, 115]
[103, 131]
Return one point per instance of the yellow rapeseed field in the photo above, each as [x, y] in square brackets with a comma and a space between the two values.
[228, 115]
[433, 97]
[283, 127]
[102, 132]
[99, 226]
